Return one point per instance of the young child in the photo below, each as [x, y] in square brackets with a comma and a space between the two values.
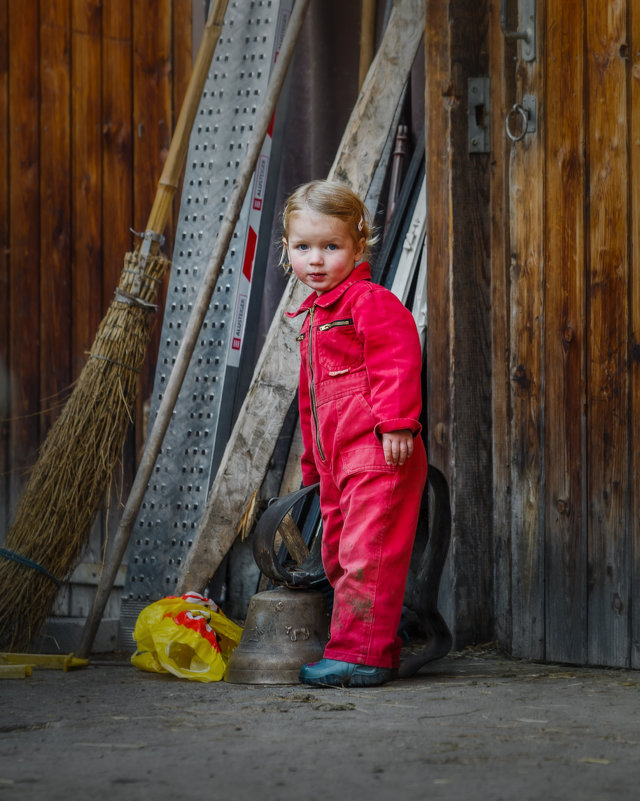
[360, 400]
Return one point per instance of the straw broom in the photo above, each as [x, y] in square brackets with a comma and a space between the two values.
[74, 468]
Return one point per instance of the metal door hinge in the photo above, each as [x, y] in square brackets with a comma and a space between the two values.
[478, 104]
[527, 20]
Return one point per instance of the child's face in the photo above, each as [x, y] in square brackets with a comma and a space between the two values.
[321, 250]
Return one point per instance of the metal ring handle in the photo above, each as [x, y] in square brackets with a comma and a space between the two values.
[521, 110]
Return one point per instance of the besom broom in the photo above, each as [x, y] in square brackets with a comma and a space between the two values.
[74, 468]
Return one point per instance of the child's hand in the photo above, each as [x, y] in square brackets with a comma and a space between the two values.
[397, 446]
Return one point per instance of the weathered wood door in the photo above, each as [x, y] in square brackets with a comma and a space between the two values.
[533, 347]
[566, 333]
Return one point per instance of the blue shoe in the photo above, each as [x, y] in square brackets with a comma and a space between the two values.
[333, 673]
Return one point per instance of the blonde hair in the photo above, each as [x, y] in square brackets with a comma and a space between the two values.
[333, 200]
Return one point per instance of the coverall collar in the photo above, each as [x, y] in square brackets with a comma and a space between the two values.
[361, 273]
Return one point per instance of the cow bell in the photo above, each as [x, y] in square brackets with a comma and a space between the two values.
[284, 629]
[286, 626]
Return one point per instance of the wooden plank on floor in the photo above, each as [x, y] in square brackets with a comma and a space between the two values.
[565, 519]
[246, 458]
[608, 317]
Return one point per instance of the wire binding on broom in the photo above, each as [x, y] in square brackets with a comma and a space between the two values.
[23, 560]
[134, 300]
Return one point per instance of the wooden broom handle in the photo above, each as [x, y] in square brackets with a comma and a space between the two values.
[170, 177]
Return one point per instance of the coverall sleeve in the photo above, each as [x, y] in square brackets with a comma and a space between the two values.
[309, 471]
[393, 358]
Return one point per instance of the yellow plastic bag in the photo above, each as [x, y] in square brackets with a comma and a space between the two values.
[188, 636]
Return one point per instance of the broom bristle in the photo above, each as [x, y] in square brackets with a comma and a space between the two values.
[248, 519]
[68, 483]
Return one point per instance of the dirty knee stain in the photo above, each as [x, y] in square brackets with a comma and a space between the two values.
[359, 605]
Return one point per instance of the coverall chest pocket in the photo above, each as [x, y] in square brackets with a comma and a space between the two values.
[339, 348]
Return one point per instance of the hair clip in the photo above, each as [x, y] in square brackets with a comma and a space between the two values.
[361, 224]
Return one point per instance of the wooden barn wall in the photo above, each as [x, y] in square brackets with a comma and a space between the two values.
[557, 546]
[89, 94]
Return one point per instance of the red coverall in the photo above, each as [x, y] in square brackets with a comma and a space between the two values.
[359, 378]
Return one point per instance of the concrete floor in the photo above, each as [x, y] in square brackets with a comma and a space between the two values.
[475, 725]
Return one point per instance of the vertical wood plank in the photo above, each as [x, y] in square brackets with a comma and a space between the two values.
[152, 100]
[117, 142]
[634, 180]
[55, 207]
[608, 383]
[565, 520]
[458, 289]
[438, 101]
[4, 267]
[471, 364]
[117, 192]
[152, 115]
[24, 239]
[86, 172]
[526, 369]
[86, 178]
[502, 80]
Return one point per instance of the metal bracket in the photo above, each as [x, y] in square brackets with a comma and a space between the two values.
[478, 104]
[528, 21]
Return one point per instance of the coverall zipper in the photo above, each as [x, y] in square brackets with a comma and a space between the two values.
[312, 392]
[335, 323]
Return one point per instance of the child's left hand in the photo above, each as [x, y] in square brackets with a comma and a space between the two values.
[397, 446]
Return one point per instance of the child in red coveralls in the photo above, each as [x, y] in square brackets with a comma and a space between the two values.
[360, 400]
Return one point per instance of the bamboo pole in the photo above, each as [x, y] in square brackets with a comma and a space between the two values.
[187, 346]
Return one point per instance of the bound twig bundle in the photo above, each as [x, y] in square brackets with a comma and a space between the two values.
[69, 481]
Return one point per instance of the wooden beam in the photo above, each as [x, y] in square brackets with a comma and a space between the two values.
[246, 458]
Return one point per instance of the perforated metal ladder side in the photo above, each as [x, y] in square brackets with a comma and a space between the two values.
[194, 441]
